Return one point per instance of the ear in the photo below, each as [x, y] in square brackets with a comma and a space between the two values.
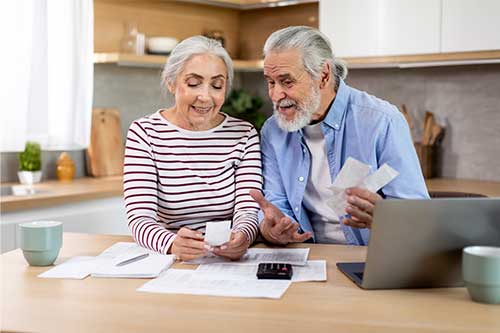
[326, 75]
[171, 88]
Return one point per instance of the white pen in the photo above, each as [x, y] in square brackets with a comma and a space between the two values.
[131, 260]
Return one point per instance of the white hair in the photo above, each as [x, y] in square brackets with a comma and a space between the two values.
[314, 46]
[188, 48]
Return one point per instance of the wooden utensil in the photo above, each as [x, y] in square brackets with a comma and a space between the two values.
[427, 132]
[405, 113]
[105, 151]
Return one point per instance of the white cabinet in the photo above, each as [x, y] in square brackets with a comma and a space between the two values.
[360, 28]
[470, 25]
[100, 216]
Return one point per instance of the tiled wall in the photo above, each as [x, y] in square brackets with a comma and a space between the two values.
[465, 98]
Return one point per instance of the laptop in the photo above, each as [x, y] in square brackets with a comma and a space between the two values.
[418, 243]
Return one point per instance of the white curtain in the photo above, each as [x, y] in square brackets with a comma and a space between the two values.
[47, 73]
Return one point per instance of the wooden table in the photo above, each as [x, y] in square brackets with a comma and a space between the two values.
[112, 305]
[487, 188]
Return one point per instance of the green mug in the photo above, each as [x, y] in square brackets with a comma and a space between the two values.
[481, 273]
[40, 241]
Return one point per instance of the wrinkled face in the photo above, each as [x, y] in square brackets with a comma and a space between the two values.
[199, 92]
[294, 93]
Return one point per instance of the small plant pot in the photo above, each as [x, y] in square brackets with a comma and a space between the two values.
[29, 177]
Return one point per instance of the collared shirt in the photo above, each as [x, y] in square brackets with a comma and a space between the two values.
[357, 125]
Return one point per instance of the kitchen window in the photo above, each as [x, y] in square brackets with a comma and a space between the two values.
[47, 73]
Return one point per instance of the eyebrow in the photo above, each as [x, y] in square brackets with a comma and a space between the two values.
[220, 76]
[280, 77]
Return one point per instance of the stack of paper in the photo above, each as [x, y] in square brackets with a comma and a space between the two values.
[313, 270]
[193, 282]
[105, 264]
[296, 257]
[149, 267]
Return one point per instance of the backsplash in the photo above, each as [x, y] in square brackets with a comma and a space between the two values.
[464, 98]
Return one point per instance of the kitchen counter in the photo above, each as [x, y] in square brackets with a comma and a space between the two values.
[487, 188]
[51, 193]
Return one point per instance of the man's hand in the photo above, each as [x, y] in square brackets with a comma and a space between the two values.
[361, 204]
[188, 245]
[276, 227]
[235, 248]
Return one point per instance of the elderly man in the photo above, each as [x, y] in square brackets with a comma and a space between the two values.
[318, 123]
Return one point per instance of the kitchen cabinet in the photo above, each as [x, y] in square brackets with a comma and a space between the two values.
[469, 25]
[363, 28]
[100, 216]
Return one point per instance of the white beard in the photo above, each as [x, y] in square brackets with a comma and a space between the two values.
[304, 112]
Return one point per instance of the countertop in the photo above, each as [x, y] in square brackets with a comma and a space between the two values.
[54, 192]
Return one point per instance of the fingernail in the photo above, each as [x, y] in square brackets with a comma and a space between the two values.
[223, 247]
[208, 247]
[348, 191]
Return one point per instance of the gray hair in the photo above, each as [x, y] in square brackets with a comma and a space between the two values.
[188, 48]
[315, 48]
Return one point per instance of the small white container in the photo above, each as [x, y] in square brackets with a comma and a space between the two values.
[162, 45]
[29, 177]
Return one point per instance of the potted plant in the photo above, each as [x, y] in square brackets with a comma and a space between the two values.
[241, 105]
[30, 164]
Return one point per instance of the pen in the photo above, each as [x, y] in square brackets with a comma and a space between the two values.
[131, 260]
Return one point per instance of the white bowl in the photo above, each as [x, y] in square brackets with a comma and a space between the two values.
[161, 44]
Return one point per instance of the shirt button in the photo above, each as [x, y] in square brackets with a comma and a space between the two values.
[336, 126]
[304, 150]
[296, 209]
[301, 179]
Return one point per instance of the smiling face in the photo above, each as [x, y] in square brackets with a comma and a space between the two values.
[294, 93]
[199, 92]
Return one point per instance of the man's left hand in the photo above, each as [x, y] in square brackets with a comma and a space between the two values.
[360, 206]
[235, 248]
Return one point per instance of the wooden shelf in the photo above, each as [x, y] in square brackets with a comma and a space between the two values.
[425, 60]
[133, 60]
[405, 61]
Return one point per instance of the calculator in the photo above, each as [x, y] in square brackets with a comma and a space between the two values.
[273, 270]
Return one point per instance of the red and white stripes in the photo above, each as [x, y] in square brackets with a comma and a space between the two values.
[175, 178]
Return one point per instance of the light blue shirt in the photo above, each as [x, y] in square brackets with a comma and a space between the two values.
[357, 125]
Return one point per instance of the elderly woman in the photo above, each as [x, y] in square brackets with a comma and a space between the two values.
[191, 164]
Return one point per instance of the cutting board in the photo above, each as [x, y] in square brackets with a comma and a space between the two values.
[105, 152]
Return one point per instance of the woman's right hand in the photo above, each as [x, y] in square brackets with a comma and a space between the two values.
[188, 245]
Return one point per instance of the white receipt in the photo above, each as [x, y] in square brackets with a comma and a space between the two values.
[313, 270]
[193, 282]
[217, 233]
[355, 174]
[74, 268]
[296, 257]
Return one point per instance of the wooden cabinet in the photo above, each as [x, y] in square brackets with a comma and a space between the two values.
[469, 25]
[362, 28]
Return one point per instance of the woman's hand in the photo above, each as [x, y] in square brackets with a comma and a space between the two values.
[188, 245]
[235, 248]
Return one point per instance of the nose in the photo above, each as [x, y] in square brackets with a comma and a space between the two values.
[276, 93]
[203, 94]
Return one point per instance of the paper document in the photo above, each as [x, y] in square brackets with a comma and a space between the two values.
[355, 174]
[74, 268]
[187, 281]
[296, 257]
[313, 270]
[217, 233]
[149, 267]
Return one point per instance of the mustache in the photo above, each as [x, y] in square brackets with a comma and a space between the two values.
[285, 102]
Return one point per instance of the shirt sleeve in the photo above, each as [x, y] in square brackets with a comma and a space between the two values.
[140, 190]
[274, 189]
[248, 176]
[397, 150]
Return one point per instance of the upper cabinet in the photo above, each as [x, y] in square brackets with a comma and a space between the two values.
[470, 25]
[361, 28]
[437, 30]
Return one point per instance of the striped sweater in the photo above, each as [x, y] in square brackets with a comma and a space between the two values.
[176, 178]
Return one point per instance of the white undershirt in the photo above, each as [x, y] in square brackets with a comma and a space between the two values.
[323, 220]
